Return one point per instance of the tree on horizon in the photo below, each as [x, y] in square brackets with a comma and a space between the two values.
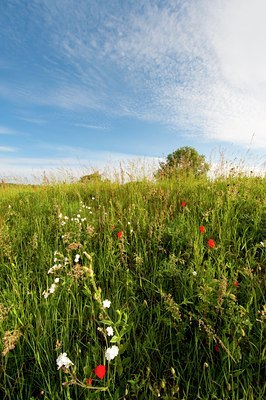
[183, 162]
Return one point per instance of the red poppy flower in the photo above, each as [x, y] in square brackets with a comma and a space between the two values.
[100, 371]
[236, 283]
[217, 348]
[183, 204]
[89, 381]
[202, 229]
[211, 243]
[119, 234]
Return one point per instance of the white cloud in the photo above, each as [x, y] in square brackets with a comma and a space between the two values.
[4, 130]
[7, 149]
[37, 121]
[238, 32]
[200, 68]
[90, 126]
[237, 102]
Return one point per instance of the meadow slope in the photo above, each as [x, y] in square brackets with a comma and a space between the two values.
[182, 264]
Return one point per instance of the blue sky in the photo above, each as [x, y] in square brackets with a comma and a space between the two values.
[84, 83]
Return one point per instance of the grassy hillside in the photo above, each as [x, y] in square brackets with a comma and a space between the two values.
[183, 266]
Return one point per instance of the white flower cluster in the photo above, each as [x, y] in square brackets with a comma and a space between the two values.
[54, 268]
[111, 353]
[84, 206]
[63, 219]
[109, 331]
[51, 290]
[78, 218]
[106, 303]
[63, 361]
[77, 258]
[58, 265]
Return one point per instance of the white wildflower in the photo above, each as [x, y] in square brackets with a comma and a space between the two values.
[60, 215]
[77, 257]
[106, 303]
[52, 288]
[110, 331]
[194, 273]
[111, 353]
[54, 268]
[63, 360]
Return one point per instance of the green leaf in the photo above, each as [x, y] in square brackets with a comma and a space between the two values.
[115, 339]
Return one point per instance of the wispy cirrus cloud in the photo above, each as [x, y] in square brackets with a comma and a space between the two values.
[32, 120]
[184, 57]
[4, 130]
[7, 149]
[196, 66]
[90, 126]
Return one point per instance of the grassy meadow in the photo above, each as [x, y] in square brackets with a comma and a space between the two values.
[182, 264]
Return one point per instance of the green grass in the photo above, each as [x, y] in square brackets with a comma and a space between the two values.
[189, 320]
